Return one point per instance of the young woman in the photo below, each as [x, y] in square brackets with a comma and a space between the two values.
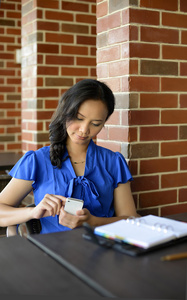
[72, 166]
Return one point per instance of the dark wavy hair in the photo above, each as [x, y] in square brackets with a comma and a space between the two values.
[67, 109]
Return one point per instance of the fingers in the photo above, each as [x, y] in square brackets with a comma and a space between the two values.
[73, 221]
[49, 206]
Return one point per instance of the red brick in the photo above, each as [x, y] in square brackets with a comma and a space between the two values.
[61, 16]
[114, 119]
[183, 163]
[118, 35]
[133, 167]
[145, 183]
[48, 4]
[114, 84]
[143, 117]
[72, 6]
[4, 72]
[59, 60]
[184, 37]
[27, 136]
[14, 31]
[144, 50]
[118, 134]
[86, 61]
[183, 100]
[183, 69]
[58, 38]
[7, 89]
[111, 53]
[35, 126]
[133, 67]
[50, 26]
[7, 6]
[144, 16]
[102, 9]
[173, 180]
[174, 52]
[7, 121]
[27, 115]
[173, 148]
[47, 93]
[125, 50]
[5, 105]
[86, 40]
[114, 20]
[173, 116]
[88, 19]
[182, 195]
[158, 165]
[160, 4]
[102, 70]
[125, 84]
[74, 50]
[119, 68]
[158, 100]
[159, 35]
[103, 134]
[174, 20]
[183, 5]
[133, 134]
[47, 48]
[74, 71]
[157, 198]
[144, 84]
[158, 133]
[43, 115]
[7, 39]
[14, 113]
[125, 16]
[124, 117]
[133, 33]
[102, 24]
[174, 84]
[14, 146]
[43, 70]
[14, 81]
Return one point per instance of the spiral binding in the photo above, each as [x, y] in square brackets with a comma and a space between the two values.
[157, 226]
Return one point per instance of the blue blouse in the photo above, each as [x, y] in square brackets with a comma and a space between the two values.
[104, 169]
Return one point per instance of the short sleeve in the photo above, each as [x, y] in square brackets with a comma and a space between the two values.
[26, 167]
[121, 171]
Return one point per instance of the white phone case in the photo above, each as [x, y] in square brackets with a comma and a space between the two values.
[72, 205]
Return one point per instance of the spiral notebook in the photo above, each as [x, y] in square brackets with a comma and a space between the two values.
[144, 232]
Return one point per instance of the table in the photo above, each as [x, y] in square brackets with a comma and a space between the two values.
[114, 274]
[27, 270]
[8, 160]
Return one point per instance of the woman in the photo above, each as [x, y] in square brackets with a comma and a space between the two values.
[72, 166]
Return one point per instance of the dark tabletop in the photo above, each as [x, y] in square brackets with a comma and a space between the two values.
[121, 275]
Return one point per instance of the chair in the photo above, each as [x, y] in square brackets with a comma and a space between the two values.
[32, 226]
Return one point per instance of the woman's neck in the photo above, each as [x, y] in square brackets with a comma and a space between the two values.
[77, 151]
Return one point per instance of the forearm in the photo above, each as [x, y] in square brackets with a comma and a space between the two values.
[98, 221]
[14, 215]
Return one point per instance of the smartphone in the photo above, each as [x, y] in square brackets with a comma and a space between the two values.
[72, 205]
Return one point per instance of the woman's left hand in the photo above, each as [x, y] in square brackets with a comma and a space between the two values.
[73, 221]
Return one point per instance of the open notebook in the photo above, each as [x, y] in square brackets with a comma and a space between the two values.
[144, 232]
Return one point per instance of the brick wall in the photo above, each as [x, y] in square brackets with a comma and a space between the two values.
[142, 54]
[58, 49]
[10, 76]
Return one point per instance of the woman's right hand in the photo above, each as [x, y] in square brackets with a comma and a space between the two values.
[49, 206]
